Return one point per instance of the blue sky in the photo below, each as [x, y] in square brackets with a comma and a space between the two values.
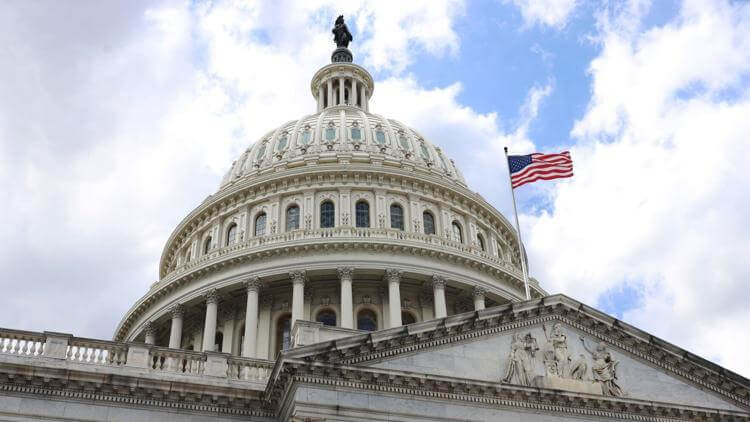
[117, 120]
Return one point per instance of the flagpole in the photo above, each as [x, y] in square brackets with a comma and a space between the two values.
[518, 230]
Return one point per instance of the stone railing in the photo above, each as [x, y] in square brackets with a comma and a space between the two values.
[64, 350]
[344, 233]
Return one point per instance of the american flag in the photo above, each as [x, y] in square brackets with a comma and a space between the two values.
[530, 168]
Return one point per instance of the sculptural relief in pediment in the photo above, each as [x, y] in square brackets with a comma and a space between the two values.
[562, 370]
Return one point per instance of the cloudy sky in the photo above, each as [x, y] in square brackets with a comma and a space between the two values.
[118, 118]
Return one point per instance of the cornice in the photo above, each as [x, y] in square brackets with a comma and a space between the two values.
[492, 394]
[463, 327]
[131, 391]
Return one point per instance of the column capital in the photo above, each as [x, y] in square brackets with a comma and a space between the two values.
[345, 273]
[253, 284]
[149, 328]
[298, 276]
[212, 296]
[438, 281]
[478, 291]
[178, 310]
[393, 275]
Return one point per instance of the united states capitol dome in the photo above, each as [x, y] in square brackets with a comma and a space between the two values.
[342, 217]
[343, 125]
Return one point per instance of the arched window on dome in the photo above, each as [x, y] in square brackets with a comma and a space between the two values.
[407, 318]
[207, 245]
[501, 250]
[260, 224]
[397, 217]
[282, 142]
[367, 320]
[327, 317]
[292, 218]
[480, 242]
[457, 232]
[428, 221]
[231, 234]
[363, 214]
[283, 333]
[327, 215]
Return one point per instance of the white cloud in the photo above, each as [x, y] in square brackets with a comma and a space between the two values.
[659, 199]
[115, 128]
[552, 13]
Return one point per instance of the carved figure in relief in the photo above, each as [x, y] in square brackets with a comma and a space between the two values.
[520, 362]
[604, 369]
[557, 359]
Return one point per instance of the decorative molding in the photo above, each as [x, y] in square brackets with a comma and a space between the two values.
[298, 276]
[177, 311]
[438, 282]
[345, 273]
[253, 284]
[393, 275]
[212, 297]
[552, 309]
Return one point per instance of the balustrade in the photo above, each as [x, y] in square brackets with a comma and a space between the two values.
[114, 355]
[345, 233]
[21, 343]
[249, 369]
[96, 352]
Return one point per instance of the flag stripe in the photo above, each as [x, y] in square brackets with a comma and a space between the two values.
[537, 166]
[540, 178]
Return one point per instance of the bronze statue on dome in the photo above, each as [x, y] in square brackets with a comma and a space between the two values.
[341, 35]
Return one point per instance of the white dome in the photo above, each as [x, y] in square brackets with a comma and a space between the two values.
[342, 133]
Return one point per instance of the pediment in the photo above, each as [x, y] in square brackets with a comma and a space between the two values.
[553, 344]
[554, 355]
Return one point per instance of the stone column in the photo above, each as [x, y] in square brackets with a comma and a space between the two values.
[354, 92]
[175, 332]
[478, 294]
[321, 98]
[341, 91]
[252, 285]
[347, 312]
[298, 294]
[209, 328]
[393, 277]
[329, 84]
[363, 97]
[264, 327]
[150, 332]
[438, 289]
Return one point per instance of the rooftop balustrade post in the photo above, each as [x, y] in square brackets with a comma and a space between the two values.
[56, 344]
[139, 356]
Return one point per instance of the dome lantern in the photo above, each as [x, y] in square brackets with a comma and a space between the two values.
[342, 83]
